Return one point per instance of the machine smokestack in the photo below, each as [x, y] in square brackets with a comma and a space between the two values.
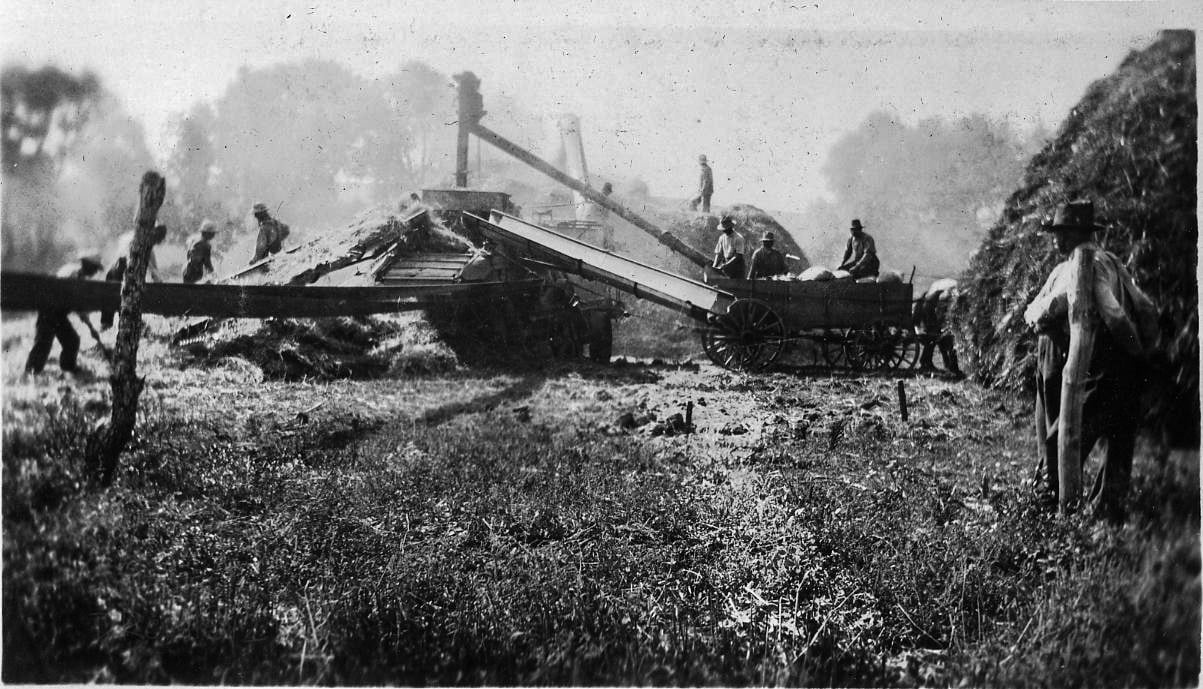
[574, 154]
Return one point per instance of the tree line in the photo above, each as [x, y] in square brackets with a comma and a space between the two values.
[318, 143]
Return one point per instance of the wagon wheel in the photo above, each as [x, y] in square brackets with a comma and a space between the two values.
[871, 349]
[833, 345]
[906, 352]
[560, 335]
[749, 337]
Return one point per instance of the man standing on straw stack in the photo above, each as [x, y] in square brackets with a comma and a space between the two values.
[272, 233]
[1113, 365]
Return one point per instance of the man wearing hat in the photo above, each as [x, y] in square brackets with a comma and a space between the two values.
[729, 251]
[766, 261]
[860, 257]
[52, 325]
[200, 252]
[271, 233]
[1110, 402]
[705, 186]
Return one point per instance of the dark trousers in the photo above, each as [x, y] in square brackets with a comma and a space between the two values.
[869, 268]
[193, 273]
[704, 200]
[1110, 407]
[50, 326]
[947, 352]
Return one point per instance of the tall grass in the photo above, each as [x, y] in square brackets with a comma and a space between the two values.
[488, 550]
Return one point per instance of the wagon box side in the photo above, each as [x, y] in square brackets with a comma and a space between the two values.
[809, 305]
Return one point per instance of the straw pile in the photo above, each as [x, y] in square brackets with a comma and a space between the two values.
[371, 231]
[701, 231]
[332, 348]
[366, 347]
[1130, 146]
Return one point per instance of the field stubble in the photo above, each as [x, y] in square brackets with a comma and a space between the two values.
[497, 528]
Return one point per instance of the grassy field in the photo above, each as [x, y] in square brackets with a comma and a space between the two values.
[496, 527]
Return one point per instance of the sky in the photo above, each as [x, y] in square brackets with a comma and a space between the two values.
[763, 90]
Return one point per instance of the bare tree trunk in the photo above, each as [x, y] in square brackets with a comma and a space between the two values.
[108, 441]
[1081, 345]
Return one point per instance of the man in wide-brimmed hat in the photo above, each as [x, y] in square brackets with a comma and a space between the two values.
[272, 233]
[56, 325]
[729, 250]
[1116, 372]
[705, 186]
[860, 256]
[200, 252]
[766, 261]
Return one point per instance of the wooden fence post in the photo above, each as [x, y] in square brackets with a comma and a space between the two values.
[107, 442]
[1082, 324]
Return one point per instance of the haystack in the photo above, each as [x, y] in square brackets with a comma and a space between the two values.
[342, 347]
[700, 231]
[1130, 146]
[369, 233]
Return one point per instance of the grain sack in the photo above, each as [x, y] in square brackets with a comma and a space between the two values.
[816, 273]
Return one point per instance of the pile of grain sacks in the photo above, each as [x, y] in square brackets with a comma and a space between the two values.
[821, 274]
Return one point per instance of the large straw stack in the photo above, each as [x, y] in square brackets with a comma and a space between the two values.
[1130, 145]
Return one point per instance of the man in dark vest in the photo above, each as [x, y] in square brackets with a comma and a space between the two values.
[766, 261]
[1116, 370]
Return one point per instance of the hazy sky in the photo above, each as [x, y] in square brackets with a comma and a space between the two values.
[763, 91]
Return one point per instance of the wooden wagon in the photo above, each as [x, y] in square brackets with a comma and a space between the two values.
[861, 326]
[743, 324]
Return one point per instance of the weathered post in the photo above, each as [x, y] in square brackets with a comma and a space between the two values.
[108, 440]
[902, 402]
[1082, 323]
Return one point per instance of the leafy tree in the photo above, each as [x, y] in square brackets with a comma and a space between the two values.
[42, 110]
[927, 191]
[190, 168]
[301, 136]
[424, 109]
[71, 156]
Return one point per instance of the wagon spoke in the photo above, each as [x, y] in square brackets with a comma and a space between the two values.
[765, 316]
